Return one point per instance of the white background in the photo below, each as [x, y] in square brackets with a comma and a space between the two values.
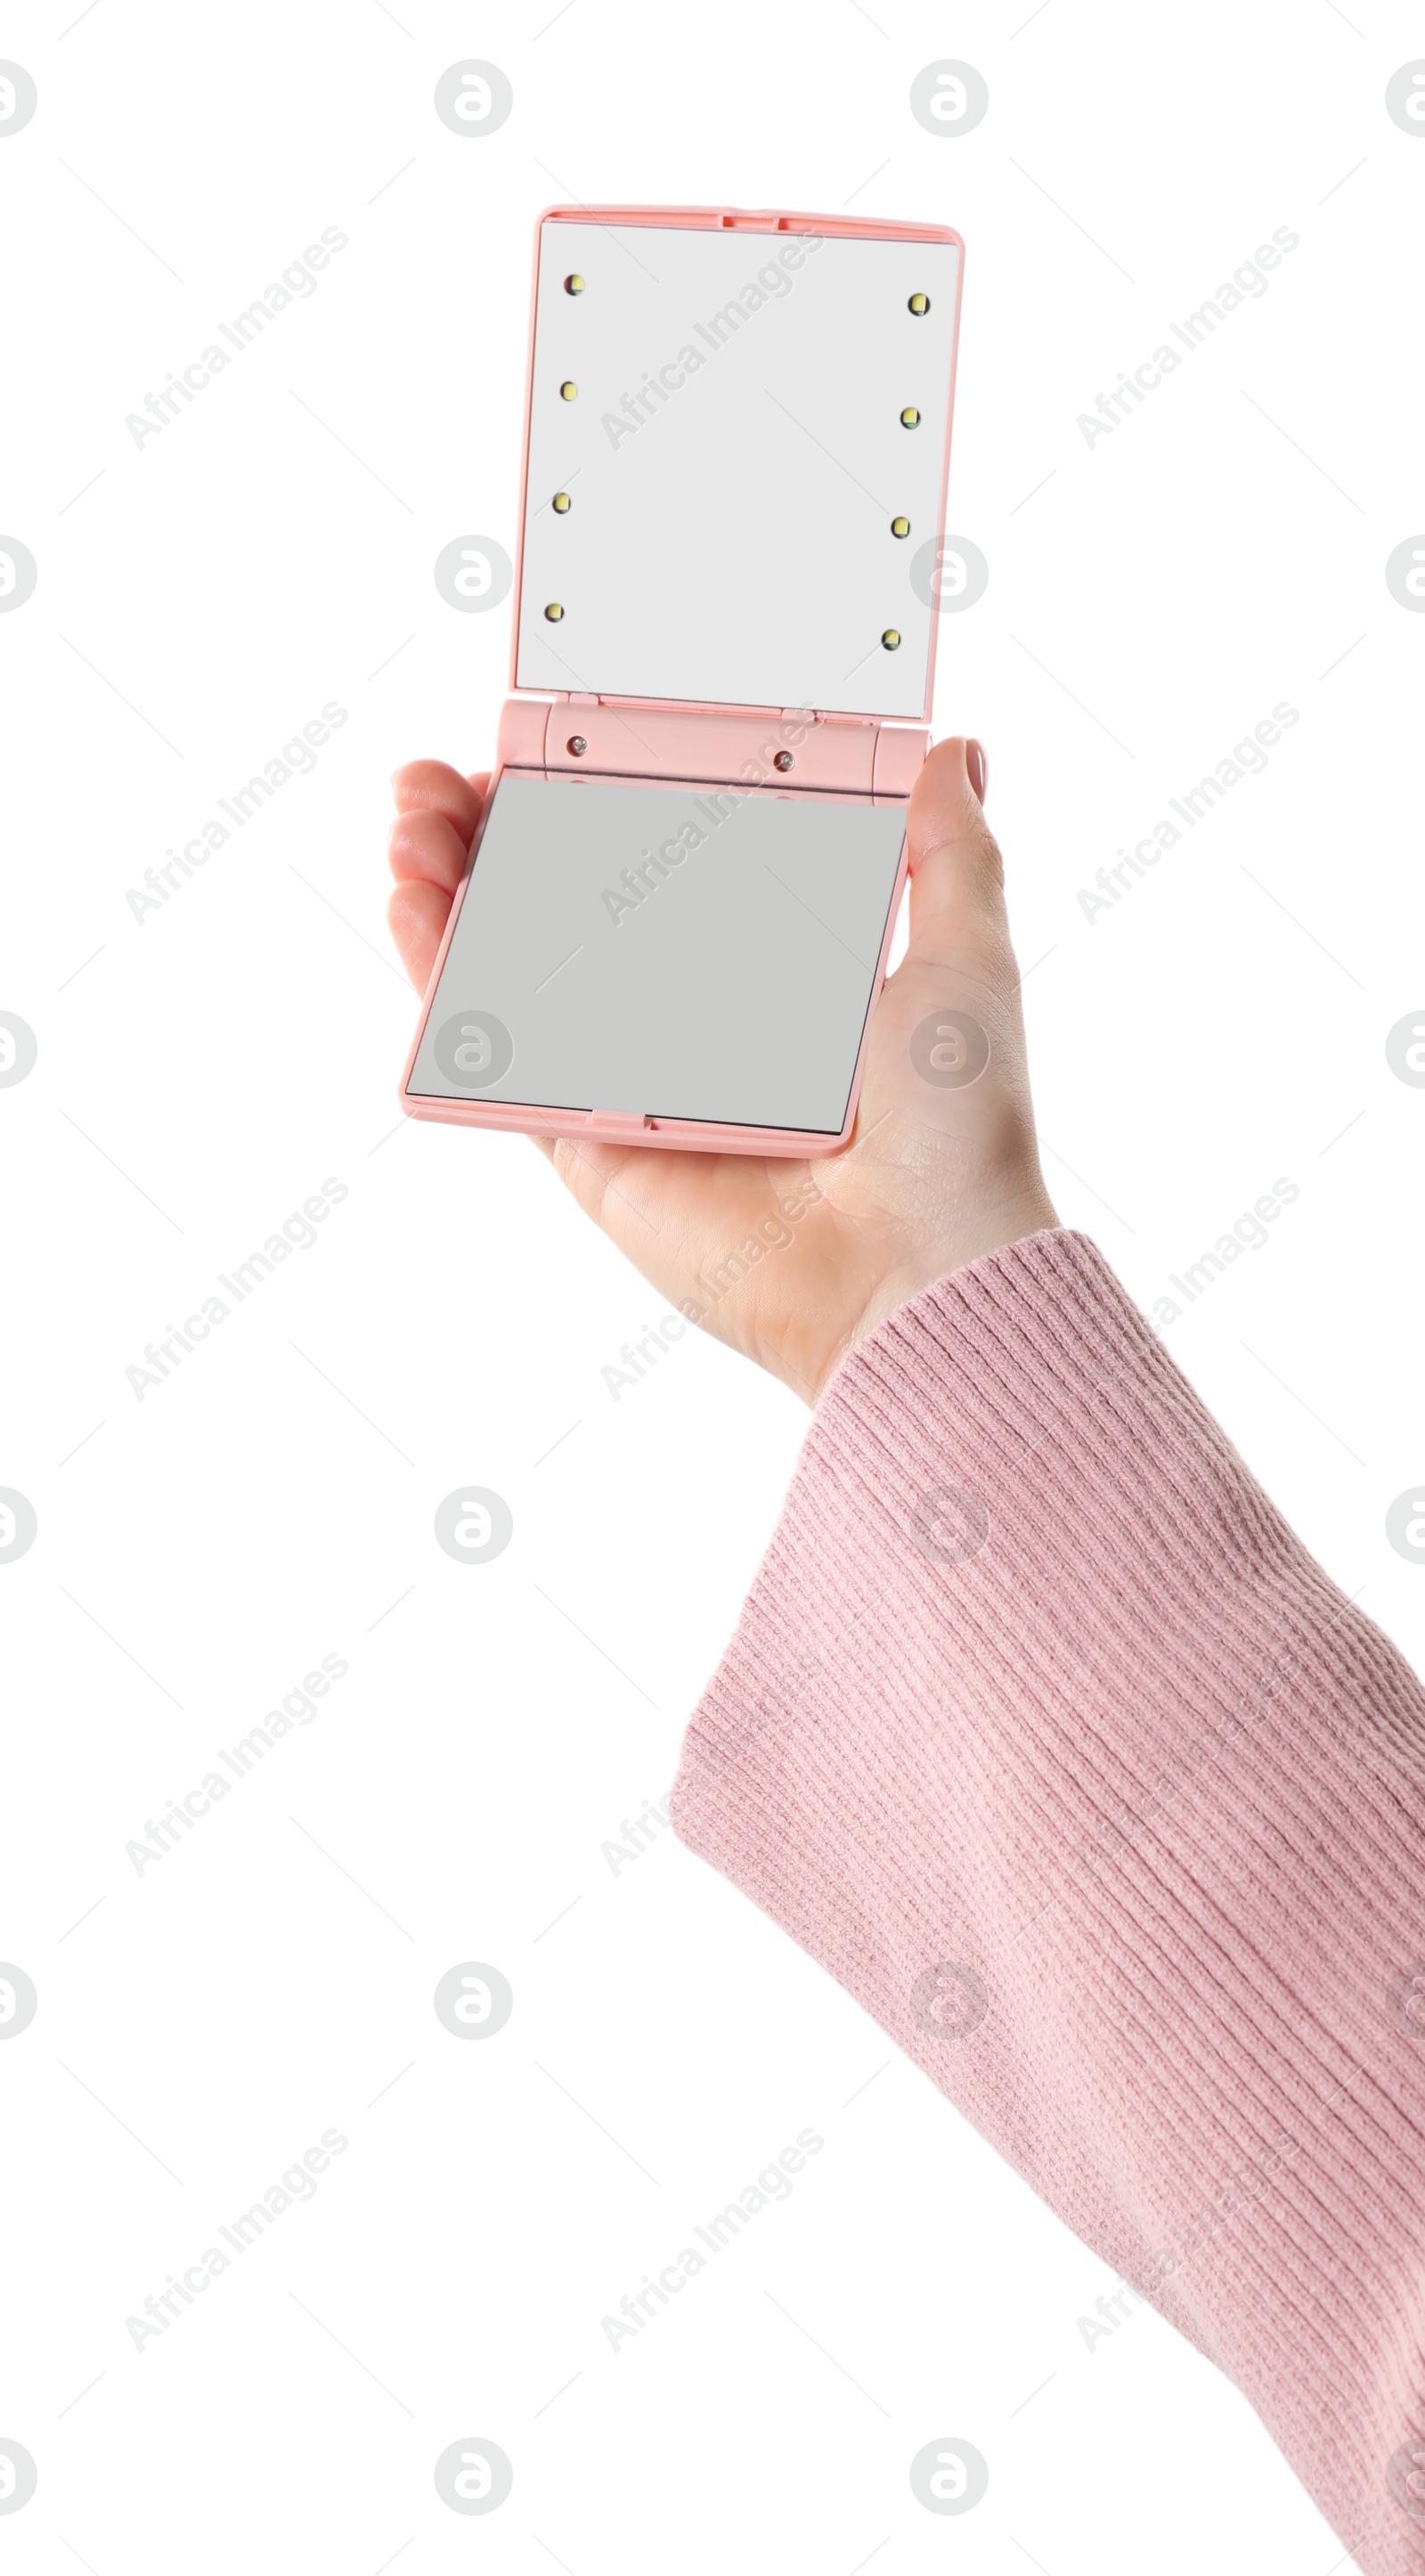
[201, 1072]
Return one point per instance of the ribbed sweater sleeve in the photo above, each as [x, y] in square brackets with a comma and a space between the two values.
[1036, 1696]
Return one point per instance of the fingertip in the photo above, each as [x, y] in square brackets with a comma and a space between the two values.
[955, 866]
[951, 776]
[416, 915]
[946, 801]
[423, 842]
[434, 786]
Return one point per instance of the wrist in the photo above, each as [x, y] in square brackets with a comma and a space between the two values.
[972, 1236]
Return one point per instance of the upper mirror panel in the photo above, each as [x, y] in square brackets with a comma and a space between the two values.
[728, 432]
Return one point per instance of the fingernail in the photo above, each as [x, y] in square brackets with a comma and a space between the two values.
[978, 767]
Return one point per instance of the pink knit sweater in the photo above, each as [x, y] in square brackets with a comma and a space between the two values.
[1036, 1695]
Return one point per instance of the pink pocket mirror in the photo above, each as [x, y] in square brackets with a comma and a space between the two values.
[681, 894]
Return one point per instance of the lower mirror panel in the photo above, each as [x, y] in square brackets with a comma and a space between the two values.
[646, 949]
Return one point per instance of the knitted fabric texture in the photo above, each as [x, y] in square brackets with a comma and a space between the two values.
[1045, 1736]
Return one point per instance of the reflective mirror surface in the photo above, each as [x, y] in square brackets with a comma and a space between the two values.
[665, 951]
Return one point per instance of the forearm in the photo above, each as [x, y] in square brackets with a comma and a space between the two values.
[1043, 1733]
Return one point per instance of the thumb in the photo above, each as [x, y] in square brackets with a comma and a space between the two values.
[956, 872]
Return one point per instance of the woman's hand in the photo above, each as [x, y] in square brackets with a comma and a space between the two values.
[792, 1262]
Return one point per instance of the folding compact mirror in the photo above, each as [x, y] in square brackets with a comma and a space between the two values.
[682, 890]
